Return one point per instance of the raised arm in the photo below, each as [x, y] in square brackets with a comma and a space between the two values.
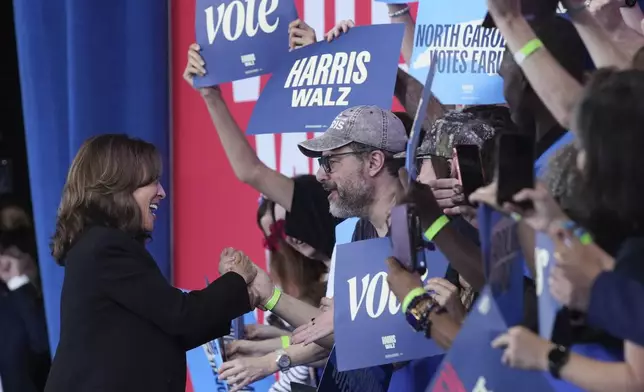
[247, 167]
[556, 88]
[399, 13]
[602, 48]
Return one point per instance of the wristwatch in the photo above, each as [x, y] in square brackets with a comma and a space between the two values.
[283, 361]
[417, 314]
[557, 359]
[629, 3]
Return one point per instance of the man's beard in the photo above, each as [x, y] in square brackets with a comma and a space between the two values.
[352, 200]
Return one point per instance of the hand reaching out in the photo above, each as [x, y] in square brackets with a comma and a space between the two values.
[232, 260]
[318, 328]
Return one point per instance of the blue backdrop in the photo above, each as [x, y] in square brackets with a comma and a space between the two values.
[88, 68]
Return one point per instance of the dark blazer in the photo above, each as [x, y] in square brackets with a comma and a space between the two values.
[124, 327]
[24, 348]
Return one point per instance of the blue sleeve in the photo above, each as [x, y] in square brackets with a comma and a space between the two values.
[615, 307]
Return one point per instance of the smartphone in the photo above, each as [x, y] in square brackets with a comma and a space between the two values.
[467, 161]
[514, 167]
[407, 238]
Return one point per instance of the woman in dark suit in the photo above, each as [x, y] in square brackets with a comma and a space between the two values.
[123, 326]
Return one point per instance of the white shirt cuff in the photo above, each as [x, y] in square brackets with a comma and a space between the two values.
[17, 282]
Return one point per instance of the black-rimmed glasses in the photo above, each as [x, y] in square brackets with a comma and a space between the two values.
[326, 160]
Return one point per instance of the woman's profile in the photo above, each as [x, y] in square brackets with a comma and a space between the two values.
[123, 326]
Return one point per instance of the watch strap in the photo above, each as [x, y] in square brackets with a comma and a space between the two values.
[557, 359]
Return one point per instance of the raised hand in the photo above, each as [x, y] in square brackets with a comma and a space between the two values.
[300, 34]
[232, 260]
[342, 27]
[504, 8]
[196, 67]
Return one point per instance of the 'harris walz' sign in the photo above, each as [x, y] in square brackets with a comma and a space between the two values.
[315, 83]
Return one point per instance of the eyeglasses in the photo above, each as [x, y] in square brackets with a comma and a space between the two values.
[325, 161]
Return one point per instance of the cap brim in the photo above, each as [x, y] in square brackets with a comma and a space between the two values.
[401, 155]
[488, 22]
[314, 148]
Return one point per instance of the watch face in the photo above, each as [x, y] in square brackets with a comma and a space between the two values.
[283, 362]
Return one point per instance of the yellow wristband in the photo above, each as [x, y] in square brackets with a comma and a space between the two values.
[286, 341]
[417, 292]
[436, 227]
[532, 46]
[277, 293]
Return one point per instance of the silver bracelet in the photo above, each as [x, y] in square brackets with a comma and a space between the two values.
[399, 12]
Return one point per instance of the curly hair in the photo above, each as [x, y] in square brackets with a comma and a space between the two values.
[99, 189]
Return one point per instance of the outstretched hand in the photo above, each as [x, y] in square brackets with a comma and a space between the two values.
[232, 260]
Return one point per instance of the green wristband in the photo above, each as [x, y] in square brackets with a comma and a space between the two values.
[277, 293]
[417, 292]
[436, 227]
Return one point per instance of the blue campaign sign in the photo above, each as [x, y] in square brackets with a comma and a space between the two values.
[548, 306]
[503, 261]
[473, 365]
[367, 314]
[373, 379]
[468, 56]
[240, 39]
[315, 83]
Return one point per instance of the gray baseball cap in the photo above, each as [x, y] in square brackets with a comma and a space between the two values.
[369, 125]
[454, 129]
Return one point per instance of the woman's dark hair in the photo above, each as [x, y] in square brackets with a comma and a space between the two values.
[608, 121]
[563, 180]
[290, 266]
[99, 189]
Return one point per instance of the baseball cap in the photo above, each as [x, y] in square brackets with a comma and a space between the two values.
[369, 125]
[531, 9]
[453, 129]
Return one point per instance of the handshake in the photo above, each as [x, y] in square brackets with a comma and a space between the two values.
[260, 286]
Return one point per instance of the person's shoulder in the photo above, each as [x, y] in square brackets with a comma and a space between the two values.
[99, 239]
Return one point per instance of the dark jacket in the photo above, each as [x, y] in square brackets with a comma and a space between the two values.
[124, 327]
[24, 348]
